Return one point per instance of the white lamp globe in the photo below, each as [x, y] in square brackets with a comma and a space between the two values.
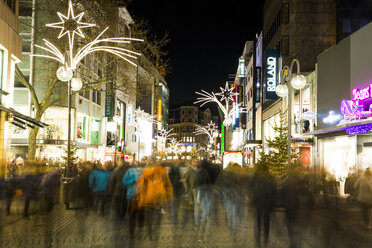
[298, 82]
[282, 90]
[64, 73]
[76, 84]
[227, 122]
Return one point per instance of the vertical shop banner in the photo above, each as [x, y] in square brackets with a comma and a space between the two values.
[237, 99]
[159, 111]
[271, 72]
[109, 101]
[222, 139]
[258, 84]
[241, 95]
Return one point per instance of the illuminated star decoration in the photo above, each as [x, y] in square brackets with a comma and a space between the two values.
[211, 127]
[209, 130]
[227, 94]
[72, 25]
[206, 97]
[164, 134]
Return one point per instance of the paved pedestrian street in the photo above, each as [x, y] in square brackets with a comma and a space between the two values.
[82, 228]
[78, 228]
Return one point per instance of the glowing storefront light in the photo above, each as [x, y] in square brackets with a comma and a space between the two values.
[331, 118]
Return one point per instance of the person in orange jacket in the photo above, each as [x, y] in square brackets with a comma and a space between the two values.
[155, 193]
[155, 188]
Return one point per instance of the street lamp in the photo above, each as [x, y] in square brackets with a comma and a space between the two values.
[297, 82]
[65, 74]
[116, 120]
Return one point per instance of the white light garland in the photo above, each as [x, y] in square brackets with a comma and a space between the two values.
[75, 26]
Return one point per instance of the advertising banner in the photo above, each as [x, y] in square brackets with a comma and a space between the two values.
[109, 100]
[271, 72]
[232, 156]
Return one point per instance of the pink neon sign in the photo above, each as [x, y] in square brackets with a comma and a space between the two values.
[361, 94]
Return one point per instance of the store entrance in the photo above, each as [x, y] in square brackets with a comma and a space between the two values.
[339, 158]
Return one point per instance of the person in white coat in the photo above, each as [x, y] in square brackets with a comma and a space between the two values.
[364, 188]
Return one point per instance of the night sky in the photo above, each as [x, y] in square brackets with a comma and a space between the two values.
[206, 39]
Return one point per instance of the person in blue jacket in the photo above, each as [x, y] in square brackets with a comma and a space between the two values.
[98, 181]
[130, 182]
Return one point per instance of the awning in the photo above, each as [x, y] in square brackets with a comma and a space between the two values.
[252, 143]
[21, 120]
[352, 128]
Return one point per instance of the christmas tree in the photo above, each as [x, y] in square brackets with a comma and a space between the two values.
[73, 155]
[276, 160]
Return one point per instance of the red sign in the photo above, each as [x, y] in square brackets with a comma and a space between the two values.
[112, 154]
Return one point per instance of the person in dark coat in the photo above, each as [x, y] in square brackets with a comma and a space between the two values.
[118, 191]
[83, 191]
[290, 192]
[9, 188]
[264, 194]
[48, 186]
[202, 205]
[175, 178]
[30, 186]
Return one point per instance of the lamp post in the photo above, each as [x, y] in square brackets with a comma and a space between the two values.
[65, 74]
[297, 82]
[116, 120]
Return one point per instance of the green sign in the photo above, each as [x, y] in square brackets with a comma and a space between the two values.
[109, 101]
[94, 132]
[222, 139]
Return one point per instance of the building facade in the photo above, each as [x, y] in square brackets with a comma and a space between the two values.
[103, 111]
[10, 54]
[183, 121]
[344, 106]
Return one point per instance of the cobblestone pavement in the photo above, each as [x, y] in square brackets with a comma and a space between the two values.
[79, 228]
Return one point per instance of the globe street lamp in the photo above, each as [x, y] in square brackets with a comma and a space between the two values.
[297, 82]
[65, 74]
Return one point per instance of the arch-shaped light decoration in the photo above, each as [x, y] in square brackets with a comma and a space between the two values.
[227, 96]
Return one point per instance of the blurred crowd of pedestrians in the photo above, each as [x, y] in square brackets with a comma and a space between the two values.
[143, 193]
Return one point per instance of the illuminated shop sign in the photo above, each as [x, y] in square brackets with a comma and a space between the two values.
[159, 110]
[258, 84]
[361, 94]
[271, 74]
[360, 107]
[232, 156]
[241, 67]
